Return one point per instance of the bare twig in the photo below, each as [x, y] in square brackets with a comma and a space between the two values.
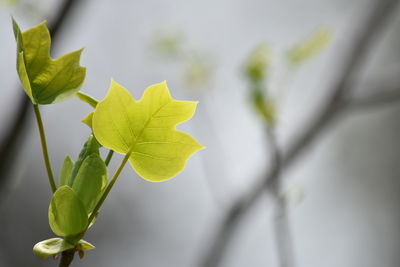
[374, 100]
[282, 231]
[375, 21]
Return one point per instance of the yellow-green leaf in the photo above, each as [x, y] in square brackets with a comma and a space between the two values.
[84, 245]
[67, 215]
[310, 47]
[66, 171]
[146, 130]
[90, 147]
[90, 181]
[50, 247]
[44, 79]
[257, 63]
[54, 246]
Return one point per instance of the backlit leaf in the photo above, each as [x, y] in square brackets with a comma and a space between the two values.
[44, 79]
[146, 129]
[84, 245]
[67, 215]
[90, 147]
[66, 170]
[310, 47]
[50, 247]
[90, 181]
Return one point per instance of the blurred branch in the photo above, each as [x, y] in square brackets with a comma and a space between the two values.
[374, 22]
[374, 100]
[9, 146]
[282, 231]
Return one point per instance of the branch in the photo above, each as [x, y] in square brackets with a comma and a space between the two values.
[282, 230]
[361, 44]
[374, 100]
[66, 258]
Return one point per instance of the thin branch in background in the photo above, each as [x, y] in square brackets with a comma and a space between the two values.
[378, 99]
[11, 143]
[362, 42]
[281, 223]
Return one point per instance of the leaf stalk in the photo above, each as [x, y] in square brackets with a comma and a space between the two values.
[109, 187]
[44, 148]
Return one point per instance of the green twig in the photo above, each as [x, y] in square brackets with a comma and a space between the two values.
[44, 148]
[109, 157]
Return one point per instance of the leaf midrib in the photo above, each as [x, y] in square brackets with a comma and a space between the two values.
[146, 124]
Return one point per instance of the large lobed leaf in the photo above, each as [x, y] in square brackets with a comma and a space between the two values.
[146, 129]
[44, 79]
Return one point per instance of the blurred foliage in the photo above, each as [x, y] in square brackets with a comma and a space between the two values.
[196, 66]
[256, 68]
[168, 43]
[265, 107]
[257, 64]
[197, 71]
[309, 48]
[10, 2]
[31, 9]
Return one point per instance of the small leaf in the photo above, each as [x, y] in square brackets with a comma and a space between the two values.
[257, 63]
[264, 107]
[310, 47]
[66, 170]
[87, 99]
[50, 247]
[67, 215]
[91, 181]
[146, 129]
[91, 146]
[84, 245]
[44, 79]
[88, 120]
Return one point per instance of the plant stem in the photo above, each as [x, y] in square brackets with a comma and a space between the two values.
[66, 258]
[109, 157]
[44, 148]
[109, 187]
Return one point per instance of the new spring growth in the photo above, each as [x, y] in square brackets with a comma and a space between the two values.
[309, 48]
[144, 131]
[256, 71]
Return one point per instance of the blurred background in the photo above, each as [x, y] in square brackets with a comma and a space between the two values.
[341, 195]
